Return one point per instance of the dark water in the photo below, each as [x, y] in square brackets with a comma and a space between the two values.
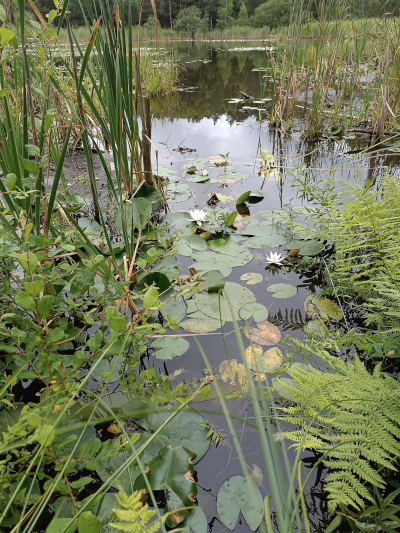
[206, 122]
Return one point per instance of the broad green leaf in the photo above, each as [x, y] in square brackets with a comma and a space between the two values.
[46, 435]
[29, 262]
[33, 288]
[231, 218]
[316, 327]
[25, 301]
[170, 347]
[107, 371]
[282, 290]
[267, 156]
[136, 214]
[175, 308]
[88, 523]
[51, 16]
[118, 323]
[242, 198]
[208, 303]
[4, 92]
[60, 524]
[45, 305]
[150, 298]
[34, 420]
[30, 166]
[196, 521]
[95, 341]
[6, 35]
[236, 495]
[11, 181]
[48, 120]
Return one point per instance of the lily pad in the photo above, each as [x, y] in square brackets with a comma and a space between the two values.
[256, 310]
[175, 308]
[234, 374]
[282, 290]
[201, 323]
[108, 371]
[264, 334]
[136, 214]
[263, 362]
[252, 278]
[213, 281]
[213, 264]
[178, 192]
[319, 306]
[244, 256]
[238, 296]
[316, 327]
[185, 430]
[306, 248]
[239, 494]
[180, 219]
[170, 347]
[196, 242]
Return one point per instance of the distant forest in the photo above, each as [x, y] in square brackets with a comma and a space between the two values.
[225, 13]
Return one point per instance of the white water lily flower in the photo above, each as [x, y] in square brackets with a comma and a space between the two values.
[198, 216]
[274, 258]
[204, 172]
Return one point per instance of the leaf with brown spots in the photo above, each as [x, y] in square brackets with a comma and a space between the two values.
[265, 334]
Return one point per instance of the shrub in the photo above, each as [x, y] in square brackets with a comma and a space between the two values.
[189, 21]
[274, 14]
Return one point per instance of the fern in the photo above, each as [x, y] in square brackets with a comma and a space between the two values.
[364, 227]
[134, 516]
[353, 419]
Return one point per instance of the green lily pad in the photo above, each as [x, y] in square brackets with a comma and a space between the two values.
[282, 290]
[311, 249]
[213, 264]
[136, 214]
[239, 494]
[256, 310]
[170, 347]
[158, 279]
[179, 219]
[316, 327]
[238, 297]
[214, 281]
[252, 278]
[201, 323]
[196, 242]
[108, 371]
[315, 306]
[234, 254]
[175, 308]
[178, 192]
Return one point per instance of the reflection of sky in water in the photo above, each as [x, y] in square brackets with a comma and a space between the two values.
[205, 121]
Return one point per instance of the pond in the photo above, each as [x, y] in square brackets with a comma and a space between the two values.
[214, 145]
[203, 118]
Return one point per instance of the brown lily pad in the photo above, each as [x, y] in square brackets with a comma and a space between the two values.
[265, 334]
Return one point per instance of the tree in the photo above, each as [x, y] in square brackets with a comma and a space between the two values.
[274, 14]
[225, 14]
[189, 20]
[243, 17]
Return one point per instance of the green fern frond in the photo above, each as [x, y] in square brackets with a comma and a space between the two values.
[133, 515]
[351, 417]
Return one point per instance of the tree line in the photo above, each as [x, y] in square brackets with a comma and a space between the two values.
[202, 15]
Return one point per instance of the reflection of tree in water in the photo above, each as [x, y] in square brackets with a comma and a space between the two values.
[217, 82]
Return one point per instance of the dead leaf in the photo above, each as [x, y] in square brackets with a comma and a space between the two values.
[189, 476]
[265, 333]
[233, 373]
[192, 497]
[114, 429]
[257, 476]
